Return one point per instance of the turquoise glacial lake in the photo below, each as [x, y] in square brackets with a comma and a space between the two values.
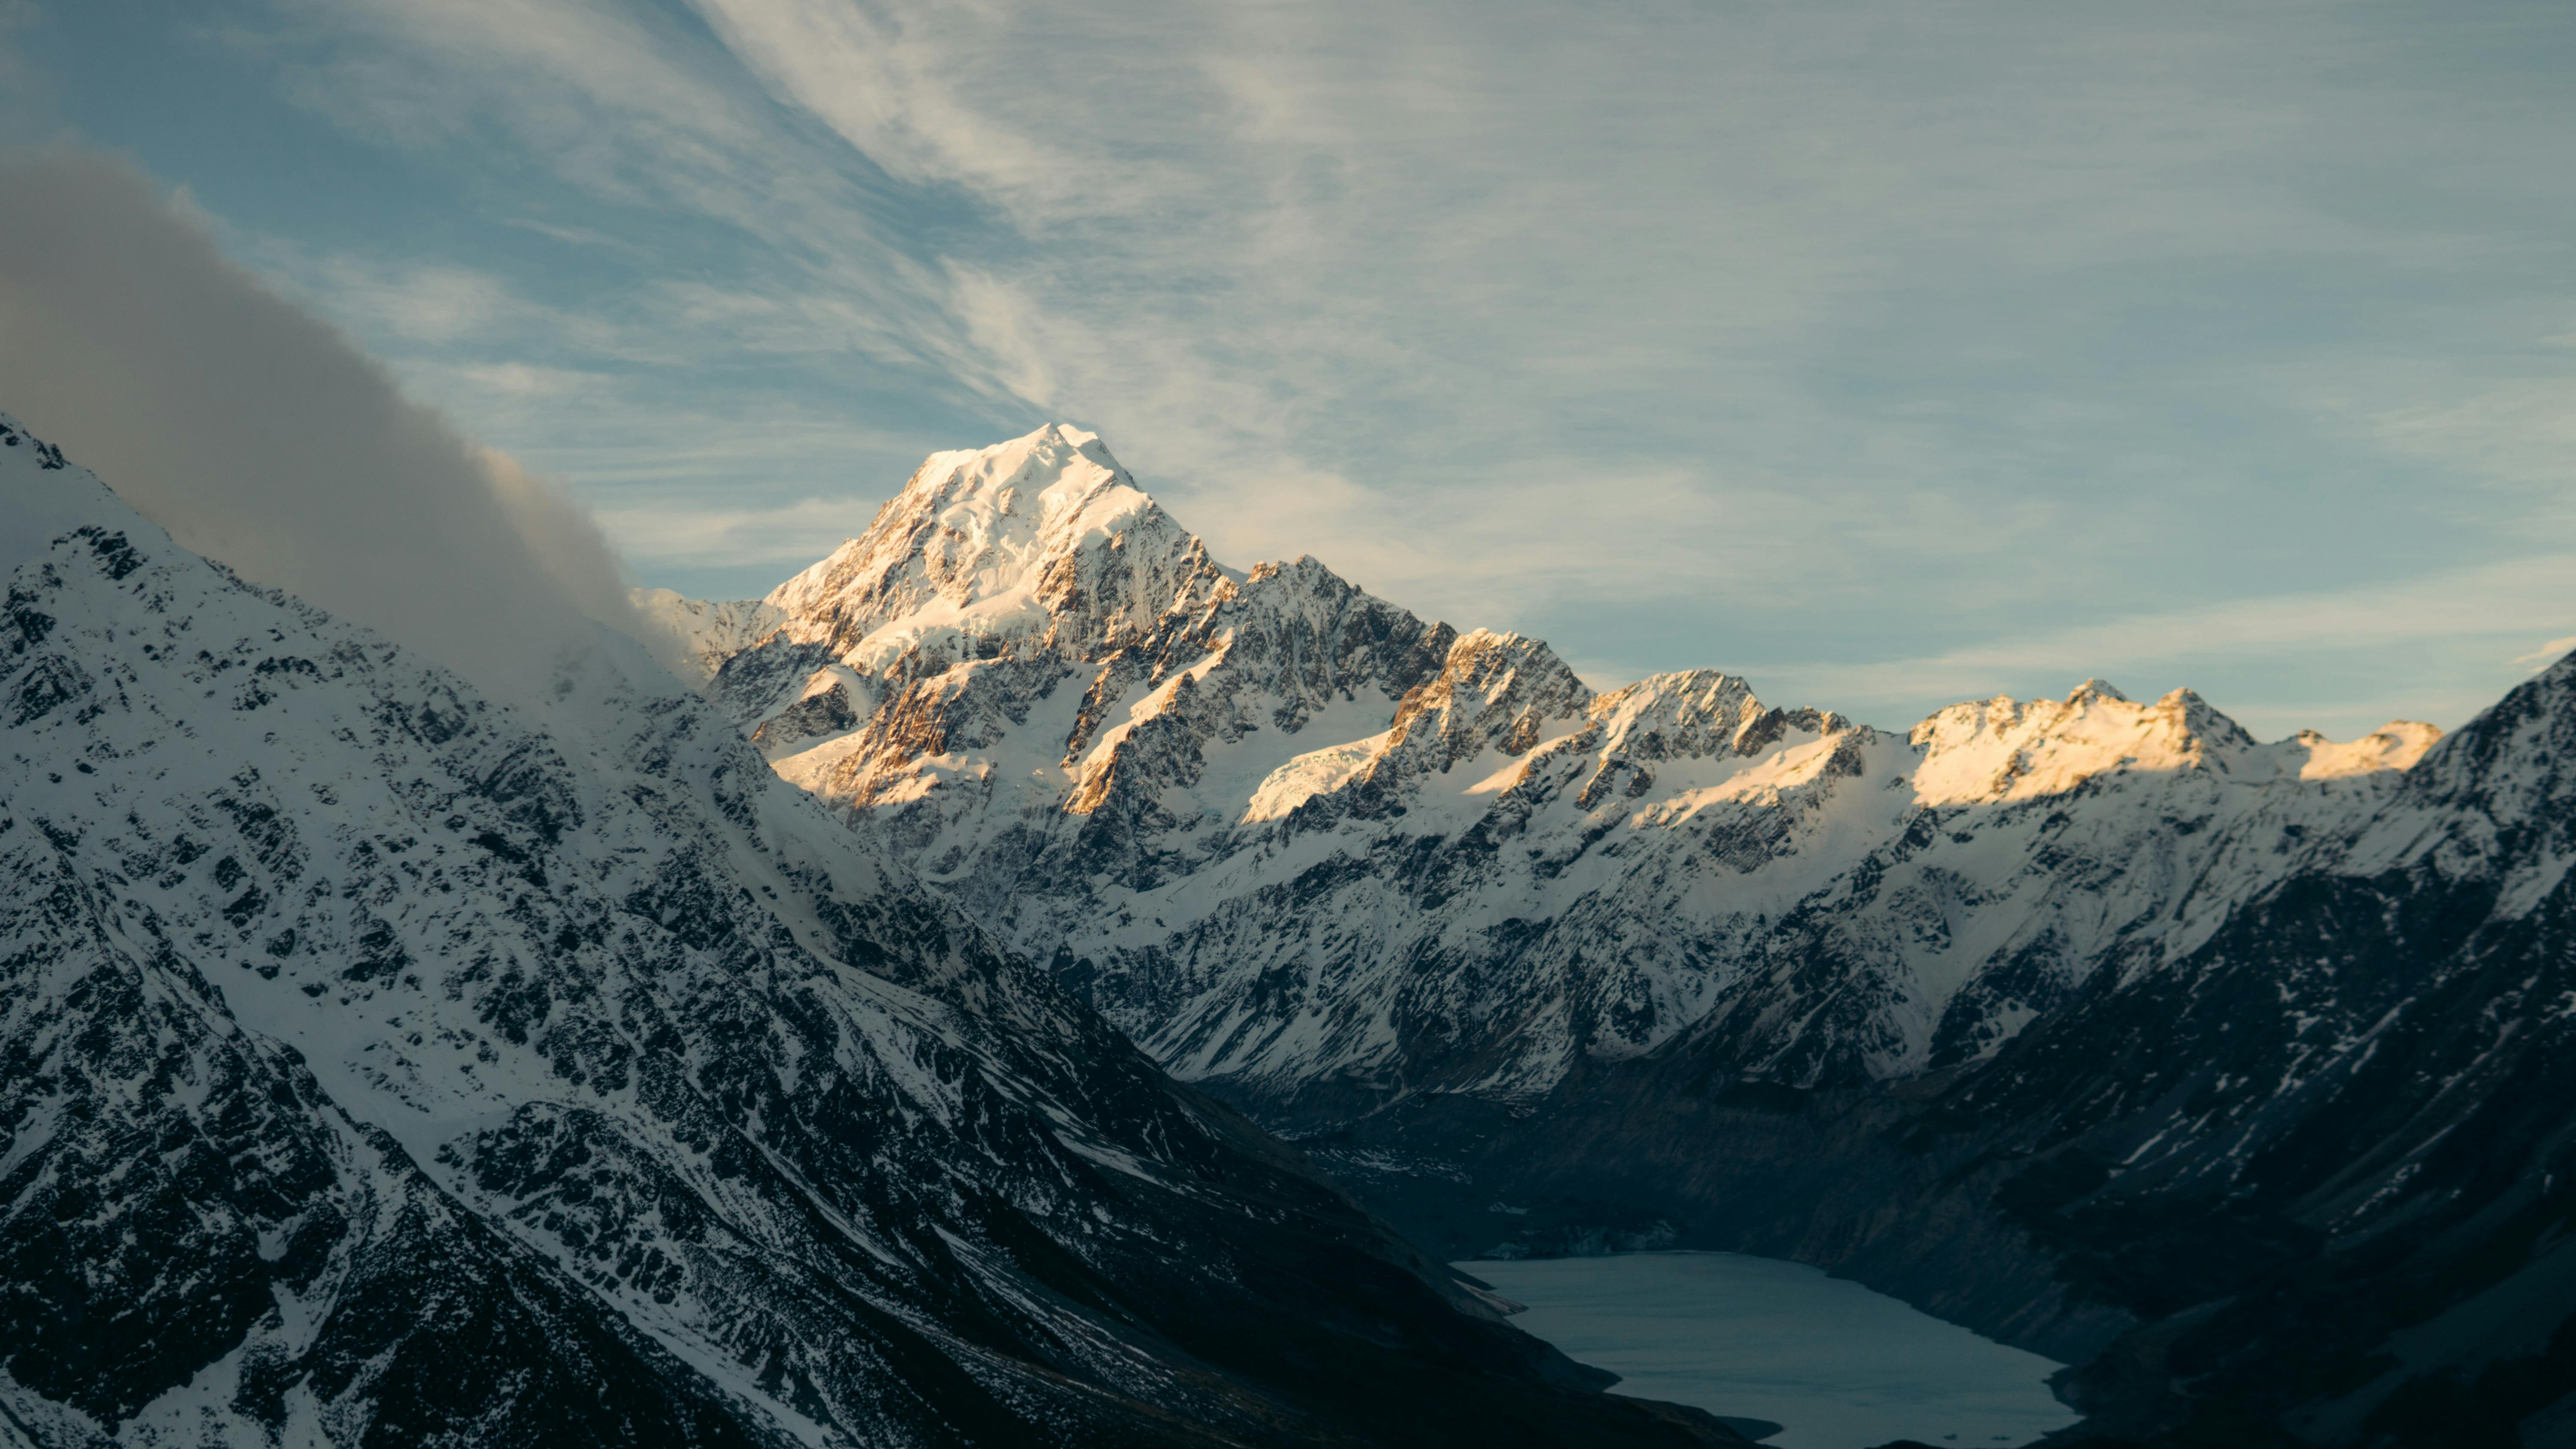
[1834, 1364]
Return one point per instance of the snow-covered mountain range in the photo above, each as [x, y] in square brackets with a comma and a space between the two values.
[2235, 1071]
[1300, 844]
[384, 1065]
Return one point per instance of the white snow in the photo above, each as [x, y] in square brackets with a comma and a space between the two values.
[1614, 865]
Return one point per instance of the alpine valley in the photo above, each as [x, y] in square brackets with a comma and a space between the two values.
[2240, 1075]
[382, 1064]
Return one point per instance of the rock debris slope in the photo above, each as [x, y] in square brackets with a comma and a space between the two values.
[380, 1065]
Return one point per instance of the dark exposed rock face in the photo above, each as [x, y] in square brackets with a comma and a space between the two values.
[825, 711]
[381, 1065]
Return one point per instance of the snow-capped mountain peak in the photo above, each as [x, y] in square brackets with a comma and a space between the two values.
[984, 550]
[2006, 749]
[1282, 830]
[1495, 690]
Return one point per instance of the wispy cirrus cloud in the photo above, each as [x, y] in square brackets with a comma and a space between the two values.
[1789, 339]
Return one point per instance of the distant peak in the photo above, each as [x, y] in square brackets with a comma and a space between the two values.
[987, 543]
[2092, 689]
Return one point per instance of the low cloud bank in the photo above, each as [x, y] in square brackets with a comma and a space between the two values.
[260, 436]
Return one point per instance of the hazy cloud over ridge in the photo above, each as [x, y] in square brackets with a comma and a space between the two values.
[260, 436]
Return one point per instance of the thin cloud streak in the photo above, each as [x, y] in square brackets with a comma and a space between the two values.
[2547, 654]
[1678, 336]
[1291, 205]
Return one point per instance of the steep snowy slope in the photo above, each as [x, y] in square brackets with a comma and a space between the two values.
[380, 1065]
[1317, 854]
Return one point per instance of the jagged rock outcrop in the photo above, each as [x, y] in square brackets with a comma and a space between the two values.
[382, 1065]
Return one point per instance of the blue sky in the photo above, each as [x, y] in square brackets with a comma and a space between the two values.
[1885, 354]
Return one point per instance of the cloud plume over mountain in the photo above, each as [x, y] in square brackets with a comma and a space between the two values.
[260, 436]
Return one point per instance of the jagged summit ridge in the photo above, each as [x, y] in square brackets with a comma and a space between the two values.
[1287, 834]
[2005, 748]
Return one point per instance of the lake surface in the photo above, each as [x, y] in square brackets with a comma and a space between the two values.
[1836, 1365]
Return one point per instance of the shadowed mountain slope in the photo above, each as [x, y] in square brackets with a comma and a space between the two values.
[381, 1065]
